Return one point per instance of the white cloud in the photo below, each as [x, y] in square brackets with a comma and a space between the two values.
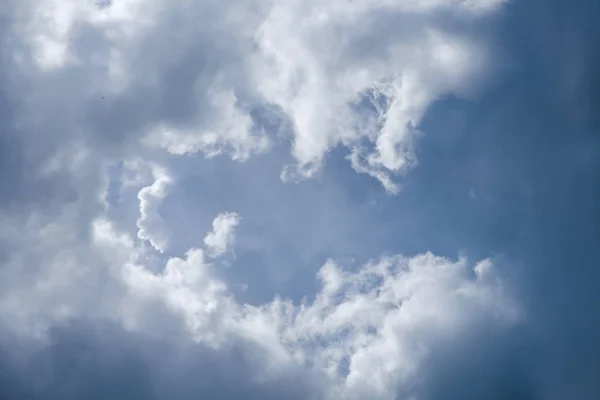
[354, 74]
[223, 234]
[390, 57]
[366, 332]
[150, 224]
[151, 82]
[230, 132]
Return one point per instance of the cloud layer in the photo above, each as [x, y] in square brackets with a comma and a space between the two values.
[355, 74]
[195, 199]
[365, 334]
[106, 101]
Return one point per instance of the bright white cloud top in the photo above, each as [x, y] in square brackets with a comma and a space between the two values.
[149, 223]
[223, 234]
[365, 333]
[140, 87]
[359, 74]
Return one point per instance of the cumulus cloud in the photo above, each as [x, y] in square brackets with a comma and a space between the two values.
[232, 132]
[362, 75]
[357, 74]
[222, 235]
[150, 224]
[364, 335]
[88, 86]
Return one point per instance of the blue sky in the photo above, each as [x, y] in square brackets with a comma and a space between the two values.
[273, 199]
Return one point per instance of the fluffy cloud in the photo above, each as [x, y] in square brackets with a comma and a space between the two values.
[361, 75]
[365, 334]
[354, 74]
[223, 234]
[150, 224]
[104, 103]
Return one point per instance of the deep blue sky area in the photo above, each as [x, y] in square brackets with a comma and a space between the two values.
[94, 304]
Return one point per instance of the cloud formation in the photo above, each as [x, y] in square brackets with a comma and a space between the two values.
[125, 125]
[222, 235]
[150, 223]
[357, 74]
[365, 333]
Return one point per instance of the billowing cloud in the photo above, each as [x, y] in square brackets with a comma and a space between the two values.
[222, 235]
[127, 127]
[357, 74]
[105, 102]
[365, 334]
[150, 223]
[362, 75]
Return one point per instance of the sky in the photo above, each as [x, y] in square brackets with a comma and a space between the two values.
[299, 199]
